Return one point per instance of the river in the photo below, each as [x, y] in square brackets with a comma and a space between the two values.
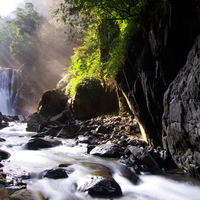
[33, 162]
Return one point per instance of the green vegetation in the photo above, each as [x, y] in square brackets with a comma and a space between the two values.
[106, 28]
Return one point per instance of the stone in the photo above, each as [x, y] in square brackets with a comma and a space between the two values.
[68, 131]
[26, 194]
[4, 194]
[105, 150]
[52, 103]
[153, 59]
[33, 122]
[145, 159]
[55, 173]
[99, 183]
[4, 154]
[181, 117]
[91, 100]
[37, 143]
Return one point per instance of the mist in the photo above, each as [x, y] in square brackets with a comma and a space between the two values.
[50, 56]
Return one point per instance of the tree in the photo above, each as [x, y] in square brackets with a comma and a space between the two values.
[23, 33]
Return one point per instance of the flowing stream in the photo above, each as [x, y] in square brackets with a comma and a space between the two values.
[33, 162]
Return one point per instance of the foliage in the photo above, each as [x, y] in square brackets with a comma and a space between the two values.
[107, 28]
[23, 34]
[81, 82]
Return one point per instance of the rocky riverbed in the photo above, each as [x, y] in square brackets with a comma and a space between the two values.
[108, 136]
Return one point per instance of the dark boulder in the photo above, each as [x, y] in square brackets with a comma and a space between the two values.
[33, 122]
[92, 100]
[52, 103]
[99, 183]
[37, 143]
[4, 155]
[55, 173]
[48, 124]
[68, 131]
[145, 159]
[181, 118]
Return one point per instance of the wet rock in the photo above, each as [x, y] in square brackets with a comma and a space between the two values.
[37, 143]
[68, 131]
[144, 158]
[55, 173]
[33, 122]
[101, 184]
[105, 150]
[4, 194]
[1, 117]
[26, 194]
[4, 155]
[2, 139]
[83, 139]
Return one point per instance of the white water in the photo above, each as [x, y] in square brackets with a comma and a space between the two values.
[23, 161]
[9, 86]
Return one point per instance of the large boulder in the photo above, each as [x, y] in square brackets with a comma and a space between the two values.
[181, 118]
[91, 100]
[52, 103]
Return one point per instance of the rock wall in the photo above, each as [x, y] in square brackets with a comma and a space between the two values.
[181, 118]
[162, 47]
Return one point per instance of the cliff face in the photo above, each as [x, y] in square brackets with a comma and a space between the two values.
[181, 118]
[162, 47]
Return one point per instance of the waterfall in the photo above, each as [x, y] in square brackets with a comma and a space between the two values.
[10, 83]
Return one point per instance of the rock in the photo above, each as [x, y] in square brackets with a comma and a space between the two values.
[89, 94]
[33, 122]
[4, 155]
[37, 143]
[4, 194]
[153, 59]
[49, 124]
[101, 184]
[145, 159]
[102, 129]
[1, 117]
[2, 139]
[105, 150]
[62, 117]
[55, 173]
[52, 103]
[26, 194]
[181, 118]
[68, 131]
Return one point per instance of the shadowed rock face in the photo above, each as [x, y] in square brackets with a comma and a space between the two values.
[52, 103]
[162, 47]
[181, 118]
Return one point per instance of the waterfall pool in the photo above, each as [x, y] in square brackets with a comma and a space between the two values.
[33, 162]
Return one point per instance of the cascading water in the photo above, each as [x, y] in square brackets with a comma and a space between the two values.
[34, 162]
[10, 83]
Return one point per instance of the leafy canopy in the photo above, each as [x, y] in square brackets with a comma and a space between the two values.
[106, 28]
